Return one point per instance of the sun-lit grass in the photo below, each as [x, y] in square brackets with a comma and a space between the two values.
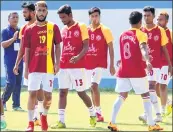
[77, 115]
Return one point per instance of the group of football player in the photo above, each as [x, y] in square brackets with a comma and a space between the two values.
[145, 64]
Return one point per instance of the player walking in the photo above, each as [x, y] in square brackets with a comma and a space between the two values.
[39, 40]
[100, 40]
[131, 72]
[157, 41]
[29, 15]
[75, 45]
[164, 76]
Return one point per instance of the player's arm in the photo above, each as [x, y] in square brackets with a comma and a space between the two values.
[19, 55]
[6, 43]
[142, 38]
[26, 44]
[109, 40]
[57, 41]
[164, 42]
[84, 34]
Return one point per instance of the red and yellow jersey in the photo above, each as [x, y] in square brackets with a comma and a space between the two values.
[41, 40]
[156, 39]
[99, 39]
[21, 34]
[131, 65]
[169, 47]
[22, 30]
[73, 38]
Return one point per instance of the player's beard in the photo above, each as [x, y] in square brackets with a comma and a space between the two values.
[28, 19]
[42, 19]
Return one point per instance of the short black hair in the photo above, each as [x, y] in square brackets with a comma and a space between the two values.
[149, 9]
[93, 10]
[29, 5]
[65, 9]
[135, 17]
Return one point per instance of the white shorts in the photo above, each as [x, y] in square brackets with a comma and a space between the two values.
[94, 76]
[140, 85]
[154, 75]
[164, 77]
[75, 78]
[36, 79]
[25, 82]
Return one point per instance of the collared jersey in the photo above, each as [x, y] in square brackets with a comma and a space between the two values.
[131, 65]
[99, 39]
[41, 40]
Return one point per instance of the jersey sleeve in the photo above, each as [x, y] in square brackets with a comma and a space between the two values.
[164, 38]
[20, 32]
[57, 35]
[4, 35]
[107, 34]
[27, 39]
[142, 37]
[84, 31]
[171, 35]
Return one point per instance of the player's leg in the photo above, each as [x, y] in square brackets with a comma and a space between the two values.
[95, 80]
[123, 86]
[64, 85]
[152, 78]
[34, 81]
[164, 80]
[3, 122]
[47, 81]
[78, 77]
[39, 106]
[141, 87]
[158, 89]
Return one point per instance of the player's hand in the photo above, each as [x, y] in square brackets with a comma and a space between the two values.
[170, 70]
[112, 70]
[15, 35]
[149, 66]
[15, 70]
[74, 59]
[26, 74]
[56, 69]
[118, 63]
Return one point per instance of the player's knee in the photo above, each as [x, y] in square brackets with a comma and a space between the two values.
[32, 94]
[63, 93]
[152, 86]
[48, 96]
[94, 86]
[124, 95]
[81, 94]
[40, 95]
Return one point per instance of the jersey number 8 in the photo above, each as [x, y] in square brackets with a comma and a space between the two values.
[127, 53]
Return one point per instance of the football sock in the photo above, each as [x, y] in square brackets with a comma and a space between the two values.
[154, 101]
[92, 111]
[30, 115]
[148, 110]
[61, 115]
[116, 107]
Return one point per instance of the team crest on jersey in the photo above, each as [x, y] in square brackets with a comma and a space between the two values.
[50, 31]
[76, 33]
[98, 37]
[156, 37]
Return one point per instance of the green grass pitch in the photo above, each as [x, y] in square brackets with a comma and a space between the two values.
[77, 115]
